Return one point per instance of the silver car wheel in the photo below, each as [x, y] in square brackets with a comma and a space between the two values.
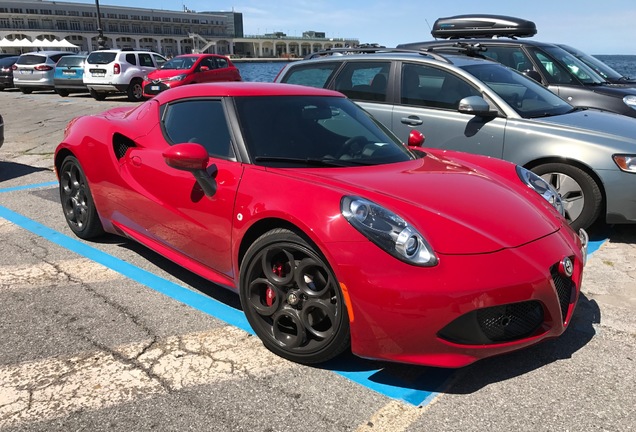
[570, 191]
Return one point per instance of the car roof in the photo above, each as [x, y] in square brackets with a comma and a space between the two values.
[46, 53]
[241, 88]
[404, 55]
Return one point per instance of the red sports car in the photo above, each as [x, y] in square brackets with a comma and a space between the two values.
[190, 69]
[333, 233]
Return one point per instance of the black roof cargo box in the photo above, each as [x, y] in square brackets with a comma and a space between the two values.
[482, 26]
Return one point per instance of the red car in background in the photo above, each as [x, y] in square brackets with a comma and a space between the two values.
[190, 69]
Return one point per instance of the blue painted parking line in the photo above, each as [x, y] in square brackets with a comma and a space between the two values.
[419, 389]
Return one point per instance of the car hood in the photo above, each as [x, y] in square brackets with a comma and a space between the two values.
[458, 209]
[167, 73]
[591, 122]
[615, 90]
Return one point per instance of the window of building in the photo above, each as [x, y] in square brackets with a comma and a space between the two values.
[16, 10]
[17, 23]
[167, 30]
[73, 13]
[5, 23]
[125, 28]
[46, 12]
[113, 27]
[87, 14]
[31, 11]
[136, 28]
[62, 25]
[75, 25]
[112, 15]
[135, 17]
[145, 18]
[123, 16]
[166, 19]
[156, 18]
[60, 12]
[89, 26]
[177, 20]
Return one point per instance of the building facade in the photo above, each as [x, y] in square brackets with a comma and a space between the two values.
[167, 32]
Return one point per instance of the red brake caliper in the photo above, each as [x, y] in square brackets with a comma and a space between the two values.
[270, 295]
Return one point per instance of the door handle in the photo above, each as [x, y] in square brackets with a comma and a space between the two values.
[411, 120]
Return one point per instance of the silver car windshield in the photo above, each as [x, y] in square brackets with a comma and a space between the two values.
[527, 97]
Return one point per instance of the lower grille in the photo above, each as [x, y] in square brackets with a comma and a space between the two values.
[511, 321]
[495, 324]
[564, 288]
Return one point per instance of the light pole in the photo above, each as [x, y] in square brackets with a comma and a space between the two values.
[101, 40]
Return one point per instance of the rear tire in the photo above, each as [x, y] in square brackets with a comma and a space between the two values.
[26, 90]
[77, 201]
[62, 93]
[135, 91]
[97, 95]
[581, 195]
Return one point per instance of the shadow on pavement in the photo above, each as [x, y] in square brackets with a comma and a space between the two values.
[12, 170]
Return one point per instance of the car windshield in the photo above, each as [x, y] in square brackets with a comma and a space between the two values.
[575, 66]
[527, 97]
[31, 59]
[71, 61]
[599, 67]
[179, 63]
[101, 57]
[300, 131]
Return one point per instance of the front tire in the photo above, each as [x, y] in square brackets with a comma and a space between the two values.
[26, 90]
[77, 201]
[62, 93]
[292, 299]
[135, 91]
[581, 195]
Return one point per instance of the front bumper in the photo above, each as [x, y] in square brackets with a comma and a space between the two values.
[402, 313]
[620, 191]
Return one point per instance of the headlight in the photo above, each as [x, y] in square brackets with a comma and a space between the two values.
[626, 162]
[177, 77]
[541, 187]
[145, 78]
[630, 101]
[387, 230]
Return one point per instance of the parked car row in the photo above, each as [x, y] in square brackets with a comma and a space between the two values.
[463, 102]
[106, 72]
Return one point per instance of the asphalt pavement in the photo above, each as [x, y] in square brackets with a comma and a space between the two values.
[107, 335]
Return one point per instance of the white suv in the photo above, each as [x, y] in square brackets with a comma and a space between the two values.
[119, 71]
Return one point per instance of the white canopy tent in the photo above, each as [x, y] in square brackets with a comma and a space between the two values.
[44, 43]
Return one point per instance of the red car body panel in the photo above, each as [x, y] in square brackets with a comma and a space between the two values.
[487, 257]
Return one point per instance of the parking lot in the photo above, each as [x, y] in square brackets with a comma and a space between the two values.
[110, 336]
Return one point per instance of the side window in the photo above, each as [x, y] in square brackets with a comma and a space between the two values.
[221, 63]
[364, 81]
[313, 75]
[199, 121]
[513, 57]
[145, 60]
[556, 73]
[159, 60]
[130, 58]
[431, 87]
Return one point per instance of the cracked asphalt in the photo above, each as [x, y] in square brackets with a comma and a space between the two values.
[83, 347]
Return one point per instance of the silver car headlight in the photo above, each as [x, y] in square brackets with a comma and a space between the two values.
[388, 231]
[630, 101]
[541, 187]
[177, 77]
[625, 162]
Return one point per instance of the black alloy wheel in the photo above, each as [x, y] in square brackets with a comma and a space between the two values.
[77, 201]
[292, 299]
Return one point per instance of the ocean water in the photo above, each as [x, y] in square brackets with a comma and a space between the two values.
[266, 72]
[625, 64]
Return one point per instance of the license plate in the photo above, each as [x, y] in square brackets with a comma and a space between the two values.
[154, 88]
[98, 74]
[68, 73]
[26, 71]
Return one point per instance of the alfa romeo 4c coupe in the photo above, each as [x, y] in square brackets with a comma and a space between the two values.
[334, 234]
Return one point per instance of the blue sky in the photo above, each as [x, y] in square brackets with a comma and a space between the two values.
[593, 26]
